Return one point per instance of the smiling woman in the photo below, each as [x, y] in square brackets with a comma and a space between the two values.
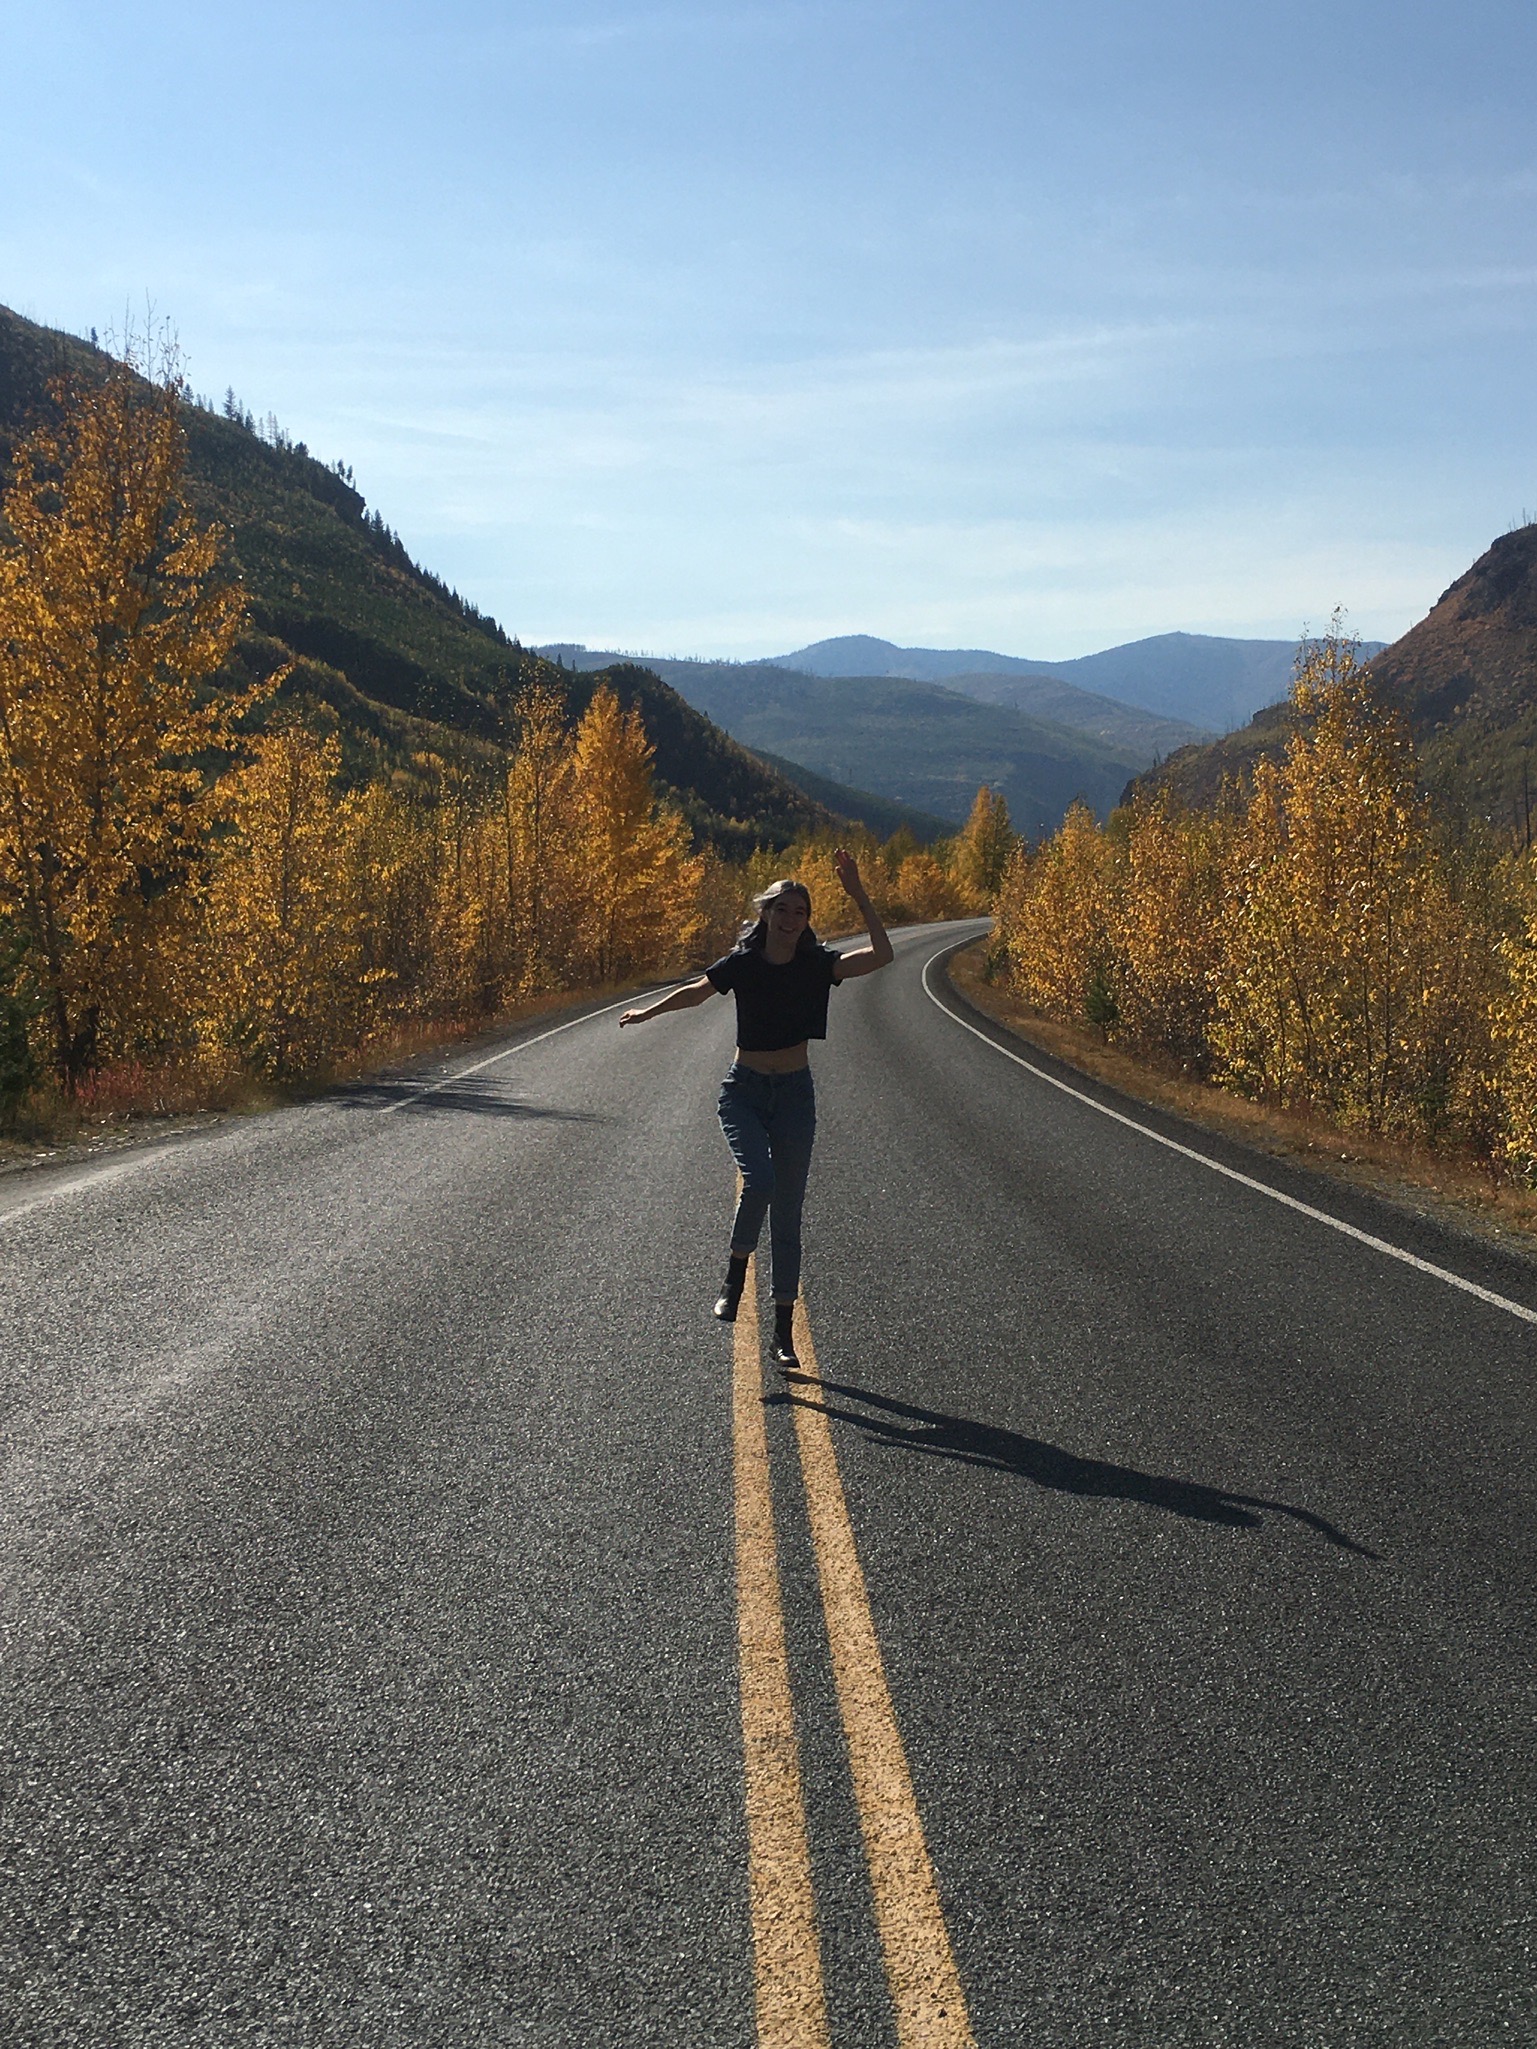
[780, 975]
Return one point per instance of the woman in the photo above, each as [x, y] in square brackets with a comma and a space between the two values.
[780, 974]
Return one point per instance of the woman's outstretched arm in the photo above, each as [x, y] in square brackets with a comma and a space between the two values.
[863, 960]
[680, 999]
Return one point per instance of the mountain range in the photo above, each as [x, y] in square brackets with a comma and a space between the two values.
[922, 744]
[923, 726]
[1199, 681]
[755, 752]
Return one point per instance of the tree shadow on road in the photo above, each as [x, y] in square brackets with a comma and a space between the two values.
[929, 1431]
[480, 1099]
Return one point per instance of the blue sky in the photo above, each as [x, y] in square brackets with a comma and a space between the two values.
[718, 329]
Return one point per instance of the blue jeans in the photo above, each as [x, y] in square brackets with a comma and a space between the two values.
[770, 1122]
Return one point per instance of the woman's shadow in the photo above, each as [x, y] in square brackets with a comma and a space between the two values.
[936, 1435]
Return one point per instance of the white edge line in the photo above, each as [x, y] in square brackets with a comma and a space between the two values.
[459, 1073]
[1305, 1209]
[94, 1179]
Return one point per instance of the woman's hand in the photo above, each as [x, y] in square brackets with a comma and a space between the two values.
[863, 960]
[846, 868]
[632, 1017]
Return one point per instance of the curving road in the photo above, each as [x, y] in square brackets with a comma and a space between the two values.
[393, 1545]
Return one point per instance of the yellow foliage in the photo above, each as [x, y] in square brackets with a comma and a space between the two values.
[1056, 912]
[284, 916]
[1165, 928]
[811, 864]
[471, 962]
[333, 915]
[1318, 949]
[393, 848]
[809, 859]
[539, 826]
[1344, 984]
[722, 902]
[981, 854]
[112, 610]
[638, 905]
[925, 892]
[1515, 1027]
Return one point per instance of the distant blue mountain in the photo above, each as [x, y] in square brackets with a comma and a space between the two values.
[916, 743]
[1202, 679]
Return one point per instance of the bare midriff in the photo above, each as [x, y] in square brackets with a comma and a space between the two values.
[782, 1059]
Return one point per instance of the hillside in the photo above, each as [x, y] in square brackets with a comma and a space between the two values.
[881, 815]
[403, 663]
[1193, 679]
[1465, 678]
[1122, 727]
[917, 743]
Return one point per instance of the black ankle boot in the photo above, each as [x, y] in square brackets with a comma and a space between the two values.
[731, 1289]
[784, 1334]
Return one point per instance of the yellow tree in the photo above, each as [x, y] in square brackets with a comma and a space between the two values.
[810, 862]
[983, 849]
[809, 859]
[924, 890]
[1516, 1029]
[289, 989]
[1262, 1016]
[640, 890]
[722, 898]
[489, 940]
[538, 826]
[1352, 974]
[469, 896]
[1166, 926]
[1056, 913]
[394, 871]
[112, 611]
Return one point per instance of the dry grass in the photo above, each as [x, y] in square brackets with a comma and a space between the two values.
[1458, 1192]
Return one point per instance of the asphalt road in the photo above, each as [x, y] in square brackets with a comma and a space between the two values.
[370, 1660]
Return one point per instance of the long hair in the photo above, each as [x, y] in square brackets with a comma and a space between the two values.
[754, 933]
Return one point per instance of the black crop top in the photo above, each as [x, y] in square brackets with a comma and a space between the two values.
[777, 1006]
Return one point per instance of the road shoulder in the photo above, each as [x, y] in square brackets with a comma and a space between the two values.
[1453, 1195]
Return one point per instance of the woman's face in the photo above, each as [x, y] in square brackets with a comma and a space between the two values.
[788, 915]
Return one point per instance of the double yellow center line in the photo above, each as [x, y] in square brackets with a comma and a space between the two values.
[926, 1994]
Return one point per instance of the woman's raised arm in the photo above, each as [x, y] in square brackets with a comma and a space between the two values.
[863, 960]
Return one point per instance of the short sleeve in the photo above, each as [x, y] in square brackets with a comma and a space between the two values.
[832, 959]
[726, 971]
